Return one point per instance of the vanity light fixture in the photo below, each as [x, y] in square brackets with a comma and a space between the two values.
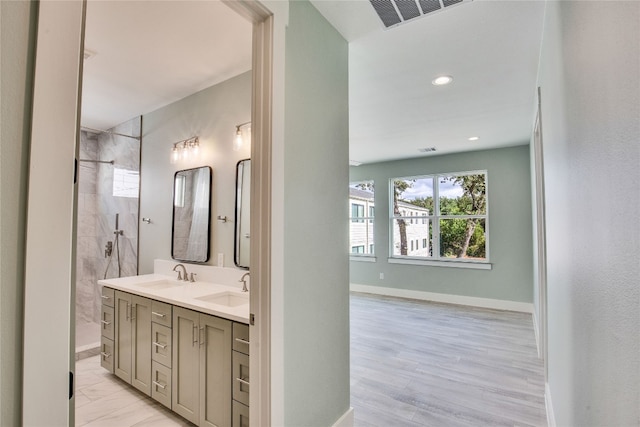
[238, 140]
[185, 149]
[442, 80]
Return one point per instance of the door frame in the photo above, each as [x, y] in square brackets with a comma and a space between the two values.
[51, 214]
[541, 241]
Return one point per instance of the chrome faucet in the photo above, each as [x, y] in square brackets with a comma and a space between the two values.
[243, 279]
[181, 276]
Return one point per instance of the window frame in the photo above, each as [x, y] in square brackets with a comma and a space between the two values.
[435, 258]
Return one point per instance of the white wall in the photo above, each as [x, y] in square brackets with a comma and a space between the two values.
[211, 114]
[590, 81]
[18, 30]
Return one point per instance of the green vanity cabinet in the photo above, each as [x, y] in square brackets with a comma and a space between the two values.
[193, 363]
[240, 378]
[132, 343]
[201, 368]
[107, 327]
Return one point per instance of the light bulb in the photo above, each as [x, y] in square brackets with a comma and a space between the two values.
[175, 155]
[237, 142]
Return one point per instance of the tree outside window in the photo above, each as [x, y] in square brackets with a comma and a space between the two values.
[454, 212]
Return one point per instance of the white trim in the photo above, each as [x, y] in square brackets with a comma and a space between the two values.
[536, 332]
[442, 263]
[346, 420]
[363, 258]
[551, 417]
[523, 307]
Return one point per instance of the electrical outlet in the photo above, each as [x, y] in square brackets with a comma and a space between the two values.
[381, 276]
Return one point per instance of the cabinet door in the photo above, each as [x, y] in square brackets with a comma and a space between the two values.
[141, 344]
[122, 359]
[161, 383]
[185, 365]
[215, 371]
[106, 354]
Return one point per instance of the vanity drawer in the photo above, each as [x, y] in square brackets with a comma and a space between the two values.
[161, 313]
[240, 415]
[106, 354]
[240, 378]
[241, 337]
[108, 296]
[161, 344]
[106, 322]
[161, 384]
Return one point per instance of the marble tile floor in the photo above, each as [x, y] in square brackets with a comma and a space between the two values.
[103, 400]
[413, 363]
[416, 363]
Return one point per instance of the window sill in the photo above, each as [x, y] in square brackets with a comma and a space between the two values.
[441, 263]
[362, 258]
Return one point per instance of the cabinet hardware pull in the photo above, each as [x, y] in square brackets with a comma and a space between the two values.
[157, 344]
[104, 322]
[158, 314]
[241, 381]
[157, 384]
[105, 355]
[240, 340]
[203, 335]
[134, 309]
[105, 297]
[193, 335]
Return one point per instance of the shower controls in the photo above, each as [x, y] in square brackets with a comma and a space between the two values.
[108, 249]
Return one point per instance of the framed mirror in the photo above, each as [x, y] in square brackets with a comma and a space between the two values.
[242, 244]
[191, 215]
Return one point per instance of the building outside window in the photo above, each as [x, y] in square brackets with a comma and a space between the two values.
[453, 209]
[361, 200]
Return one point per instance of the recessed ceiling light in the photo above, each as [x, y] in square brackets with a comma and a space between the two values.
[442, 80]
[474, 138]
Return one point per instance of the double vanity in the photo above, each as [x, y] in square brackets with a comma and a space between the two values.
[185, 344]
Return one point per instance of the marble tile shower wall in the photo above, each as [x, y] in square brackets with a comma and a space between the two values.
[97, 209]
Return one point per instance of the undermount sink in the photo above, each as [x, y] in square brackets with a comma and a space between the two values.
[228, 299]
[159, 284]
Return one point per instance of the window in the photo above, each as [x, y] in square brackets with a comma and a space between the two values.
[453, 211]
[361, 200]
[126, 183]
[357, 212]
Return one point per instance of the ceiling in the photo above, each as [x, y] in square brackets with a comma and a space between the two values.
[151, 53]
[490, 48]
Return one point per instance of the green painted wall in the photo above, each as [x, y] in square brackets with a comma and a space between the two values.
[510, 240]
[316, 267]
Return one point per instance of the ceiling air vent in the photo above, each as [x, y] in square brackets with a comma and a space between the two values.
[427, 150]
[395, 12]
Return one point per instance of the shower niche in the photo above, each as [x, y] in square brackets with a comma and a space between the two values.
[107, 225]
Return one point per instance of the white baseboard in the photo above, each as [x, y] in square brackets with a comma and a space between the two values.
[551, 418]
[346, 420]
[496, 304]
[536, 332]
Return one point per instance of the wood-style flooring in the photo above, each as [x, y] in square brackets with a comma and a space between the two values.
[413, 363]
[416, 363]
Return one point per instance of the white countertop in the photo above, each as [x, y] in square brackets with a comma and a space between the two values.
[185, 294]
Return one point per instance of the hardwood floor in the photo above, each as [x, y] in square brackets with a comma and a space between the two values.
[413, 363]
[416, 363]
